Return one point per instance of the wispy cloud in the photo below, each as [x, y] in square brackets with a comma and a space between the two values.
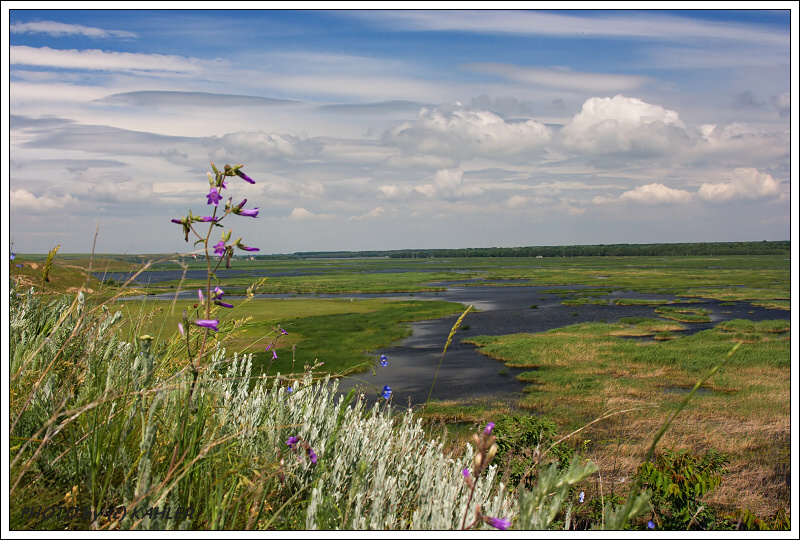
[58, 29]
[561, 78]
[98, 60]
[599, 24]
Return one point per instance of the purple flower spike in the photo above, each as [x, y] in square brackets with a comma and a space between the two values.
[205, 323]
[488, 429]
[291, 441]
[244, 177]
[499, 523]
[213, 197]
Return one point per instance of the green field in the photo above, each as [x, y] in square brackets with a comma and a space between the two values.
[575, 374]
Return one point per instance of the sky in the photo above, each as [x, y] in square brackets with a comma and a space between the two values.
[398, 129]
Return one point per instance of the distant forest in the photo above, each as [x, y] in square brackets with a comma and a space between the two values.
[600, 250]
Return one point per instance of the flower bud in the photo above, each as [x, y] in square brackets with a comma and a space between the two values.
[491, 453]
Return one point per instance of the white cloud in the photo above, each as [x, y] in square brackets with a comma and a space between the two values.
[562, 77]
[652, 25]
[448, 185]
[374, 213]
[621, 124]
[746, 183]
[97, 60]
[657, 193]
[260, 145]
[25, 201]
[463, 133]
[783, 103]
[301, 213]
[61, 29]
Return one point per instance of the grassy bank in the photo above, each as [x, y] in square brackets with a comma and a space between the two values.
[583, 372]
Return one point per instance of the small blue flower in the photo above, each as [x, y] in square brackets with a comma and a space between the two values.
[384, 360]
[387, 392]
[13, 256]
[581, 497]
[289, 390]
[651, 525]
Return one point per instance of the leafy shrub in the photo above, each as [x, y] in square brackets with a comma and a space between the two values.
[679, 479]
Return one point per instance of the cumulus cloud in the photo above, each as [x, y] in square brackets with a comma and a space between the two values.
[746, 183]
[448, 185]
[463, 133]
[260, 145]
[739, 144]
[300, 213]
[58, 29]
[374, 213]
[25, 201]
[657, 193]
[624, 125]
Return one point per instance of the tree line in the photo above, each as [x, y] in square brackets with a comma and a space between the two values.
[782, 247]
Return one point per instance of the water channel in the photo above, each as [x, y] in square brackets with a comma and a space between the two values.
[463, 373]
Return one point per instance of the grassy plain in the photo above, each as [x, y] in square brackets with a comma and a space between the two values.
[576, 374]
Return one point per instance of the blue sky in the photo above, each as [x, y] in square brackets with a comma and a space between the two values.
[397, 129]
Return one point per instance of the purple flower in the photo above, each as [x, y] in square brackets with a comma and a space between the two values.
[465, 473]
[488, 429]
[312, 455]
[213, 197]
[180, 327]
[14, 256]
[384, 360]
[203, 218]
[219, 248]
[241, 211]
[205, 323]
[387, 392]
[186, 227]
[274, 355]
[268, 347]
[200, 295]
[498, 523]
[651, 525]
[246, 248]
[581, 496]
[289, 390]
[244, 177]
[218, 293]
[292, 441]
